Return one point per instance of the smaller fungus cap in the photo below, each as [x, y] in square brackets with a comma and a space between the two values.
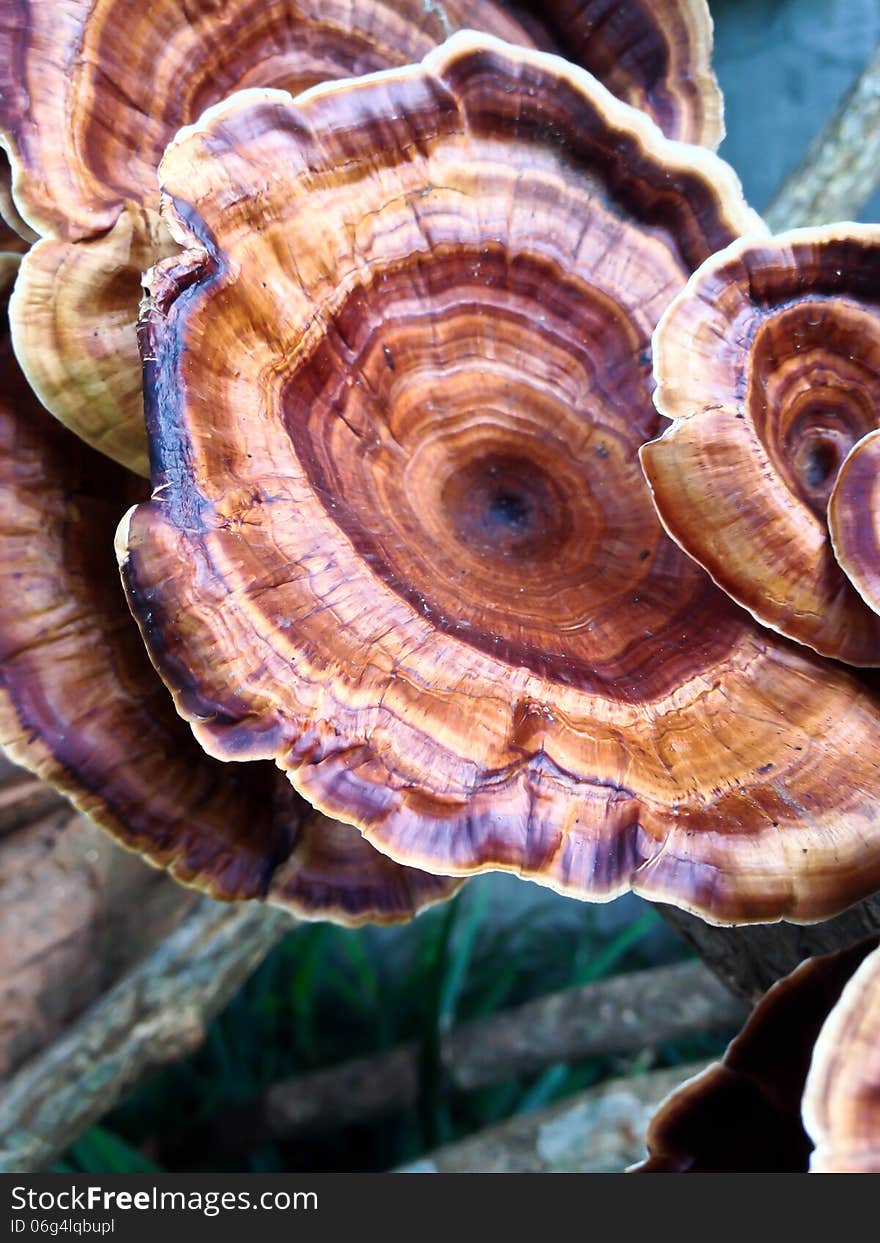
[743, 1114]
[854, 518]
[842, 1098]
[426, 578]
[81, 706]
[91, 91]
[769, 363]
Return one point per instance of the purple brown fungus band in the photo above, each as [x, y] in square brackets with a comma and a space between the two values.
[399, 541]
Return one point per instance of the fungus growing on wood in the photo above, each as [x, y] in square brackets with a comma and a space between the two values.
[81, 706]
[842, 1098]
[769, 363]
[429, 581]
[854, 518]
[93, 92]
[743, 1114]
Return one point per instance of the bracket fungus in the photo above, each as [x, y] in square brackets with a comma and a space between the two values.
[81, 706]
[841, 1106]
[91, 93]
[769, 365]
[748, 1113]
[427, 579]
[854, 518]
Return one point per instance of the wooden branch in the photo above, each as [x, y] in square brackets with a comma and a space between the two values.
[841, 168]
[24, 799]
[622, 1015]
[76, 911]
[750, 959]
[601, 1130]
[156, 1014]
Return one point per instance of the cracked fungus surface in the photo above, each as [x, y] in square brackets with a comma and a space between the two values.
[399, 539]
[81, 705]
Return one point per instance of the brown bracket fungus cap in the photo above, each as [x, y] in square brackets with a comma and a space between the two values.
[769, 363]
[400, 541]
[854, 518]
[743, 1114]
[653, 54]
[81, 705]
[842, 1099]
[90, 94]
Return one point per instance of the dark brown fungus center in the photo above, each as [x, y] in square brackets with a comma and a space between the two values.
[814, 394]
[503, 506]
[471, 422]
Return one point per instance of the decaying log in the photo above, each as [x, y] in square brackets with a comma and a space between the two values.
[601, 1130]
[621, 1015]
[841, 168]
[154, 1015]
[749, 960]
[75, 912]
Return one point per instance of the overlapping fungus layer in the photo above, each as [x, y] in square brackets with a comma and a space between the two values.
[400, 541]
[81, 705]
[91, 93]
[654, 54]
[842, 1097]
[854, 518]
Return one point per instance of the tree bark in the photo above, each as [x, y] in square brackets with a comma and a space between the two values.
[76, 911]
[154, 1015]
[750, 959]
[840, 170]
